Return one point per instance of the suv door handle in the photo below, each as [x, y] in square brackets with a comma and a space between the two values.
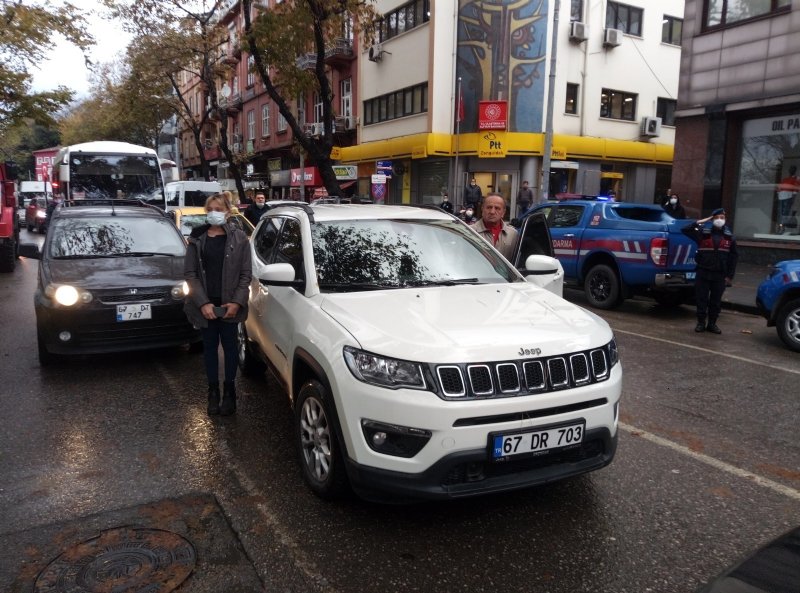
[570, 235]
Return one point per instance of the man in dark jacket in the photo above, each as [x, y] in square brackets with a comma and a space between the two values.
[257, 209]
[716, 259]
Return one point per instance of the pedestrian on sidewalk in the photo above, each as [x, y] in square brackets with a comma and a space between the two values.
[716, 260]
[217, 268]
[674, 208]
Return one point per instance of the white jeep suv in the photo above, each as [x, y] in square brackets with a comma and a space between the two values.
[419, 362]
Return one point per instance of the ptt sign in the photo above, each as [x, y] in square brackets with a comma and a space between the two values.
[492, 145]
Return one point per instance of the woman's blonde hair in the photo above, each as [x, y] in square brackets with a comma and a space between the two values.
[223, 198]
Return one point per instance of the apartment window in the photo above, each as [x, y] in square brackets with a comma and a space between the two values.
[318, 108]
[403, 19]
[265, 120]
[617, 105]
[301, 110]
[282, 123]
[576, 10]
[665, 109]
[622, 16]
[719, 13]
[408, 101]
[346, 97]
[251, 74]
[571, 105]
[671, 30]
[251, 124]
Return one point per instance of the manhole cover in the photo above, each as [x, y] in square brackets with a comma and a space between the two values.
[122, 560]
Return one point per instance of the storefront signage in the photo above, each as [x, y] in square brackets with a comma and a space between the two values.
[772, 126]
[345, 172]
[558, 153]
[492, 115]
[310, 177]
[492, 145]
[378, 179]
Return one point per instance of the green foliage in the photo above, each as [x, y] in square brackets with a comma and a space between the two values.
[27, 34]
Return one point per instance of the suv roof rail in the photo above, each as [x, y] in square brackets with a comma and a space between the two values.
[300, 205]
[110, 202]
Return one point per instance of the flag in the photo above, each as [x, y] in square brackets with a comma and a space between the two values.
[460, 115]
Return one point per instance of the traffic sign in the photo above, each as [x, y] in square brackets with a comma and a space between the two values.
[379, 179]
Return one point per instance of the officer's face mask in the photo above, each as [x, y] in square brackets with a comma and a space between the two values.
[469, 213]
[719, 222]
[673, 201]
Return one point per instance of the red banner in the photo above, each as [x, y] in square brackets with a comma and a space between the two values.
[492, 115]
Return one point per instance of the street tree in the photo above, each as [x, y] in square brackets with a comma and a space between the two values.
[27, 32]
[180, 40]
[279, 35]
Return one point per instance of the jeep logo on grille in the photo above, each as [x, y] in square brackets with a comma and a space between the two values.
[529, 351]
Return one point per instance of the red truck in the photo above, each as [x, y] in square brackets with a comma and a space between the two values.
[9, 221]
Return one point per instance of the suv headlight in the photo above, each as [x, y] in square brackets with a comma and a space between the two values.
[67, 295]
[613, 352]
[383, 371]
[180, 291]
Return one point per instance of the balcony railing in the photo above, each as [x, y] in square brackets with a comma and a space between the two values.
[340, 51]
[306, 62]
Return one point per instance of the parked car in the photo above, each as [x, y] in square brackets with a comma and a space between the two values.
[110, 280]
[778, 300]
[615, 250]
[36, 215]
[419, 362]
[188, 218]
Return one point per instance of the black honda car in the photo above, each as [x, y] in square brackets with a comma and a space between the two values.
[110, 280]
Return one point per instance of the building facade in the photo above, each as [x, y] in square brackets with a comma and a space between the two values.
[738, 120]
[616, 73]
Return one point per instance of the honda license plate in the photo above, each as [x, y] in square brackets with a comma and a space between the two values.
[134, 312]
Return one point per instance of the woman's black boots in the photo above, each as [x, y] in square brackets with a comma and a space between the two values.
[213, 399]
[228, 406]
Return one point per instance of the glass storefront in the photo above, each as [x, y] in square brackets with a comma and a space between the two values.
[768, 192]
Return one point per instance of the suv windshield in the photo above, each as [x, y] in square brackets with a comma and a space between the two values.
[118, 236]
[395, 253]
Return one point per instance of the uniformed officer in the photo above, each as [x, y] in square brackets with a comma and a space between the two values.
[716, 264]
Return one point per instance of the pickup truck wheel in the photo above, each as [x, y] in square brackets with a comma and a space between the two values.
[602, 287]
[788, 324]
[248, 362]
[320, 454]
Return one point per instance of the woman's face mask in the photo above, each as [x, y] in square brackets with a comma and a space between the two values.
[215, 218]
[673, 201]
[719, 222]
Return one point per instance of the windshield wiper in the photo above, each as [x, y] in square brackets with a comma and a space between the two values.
[354, 286]
[442, 282]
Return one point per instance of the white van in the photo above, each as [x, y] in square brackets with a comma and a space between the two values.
[190, 193]
[29, 190]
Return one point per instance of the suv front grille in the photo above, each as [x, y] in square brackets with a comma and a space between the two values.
[522, 377]
[109, 297]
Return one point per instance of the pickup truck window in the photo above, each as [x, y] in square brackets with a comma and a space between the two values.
[566, 216]
[636, 213]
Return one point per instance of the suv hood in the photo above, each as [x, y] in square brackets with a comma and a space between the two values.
[466, 323]
[117, 272]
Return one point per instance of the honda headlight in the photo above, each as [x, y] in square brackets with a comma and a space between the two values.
[67, 295]
[386, 372]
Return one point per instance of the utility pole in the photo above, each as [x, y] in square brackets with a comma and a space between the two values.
[551, 88]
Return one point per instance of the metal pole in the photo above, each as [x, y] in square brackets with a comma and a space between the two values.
[454, 197]
[551, 89]
[302, 175]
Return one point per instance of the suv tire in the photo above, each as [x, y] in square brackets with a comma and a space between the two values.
[788, 324]
[248, 362]
[8, 253]
[321, 457]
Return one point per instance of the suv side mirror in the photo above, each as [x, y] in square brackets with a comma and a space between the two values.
[280, 275]
[546, 272]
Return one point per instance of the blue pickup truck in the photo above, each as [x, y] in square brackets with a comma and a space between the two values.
[615, 250]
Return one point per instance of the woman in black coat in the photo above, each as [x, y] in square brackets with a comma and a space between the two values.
[217, 268]
[673, 207]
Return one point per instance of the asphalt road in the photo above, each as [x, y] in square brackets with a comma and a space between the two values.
[708, 469]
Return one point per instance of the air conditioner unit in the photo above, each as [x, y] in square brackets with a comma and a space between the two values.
[350, 122]
[651, 126]
[578, 31]
[376, 53]
[318, 129]
[612, 37]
